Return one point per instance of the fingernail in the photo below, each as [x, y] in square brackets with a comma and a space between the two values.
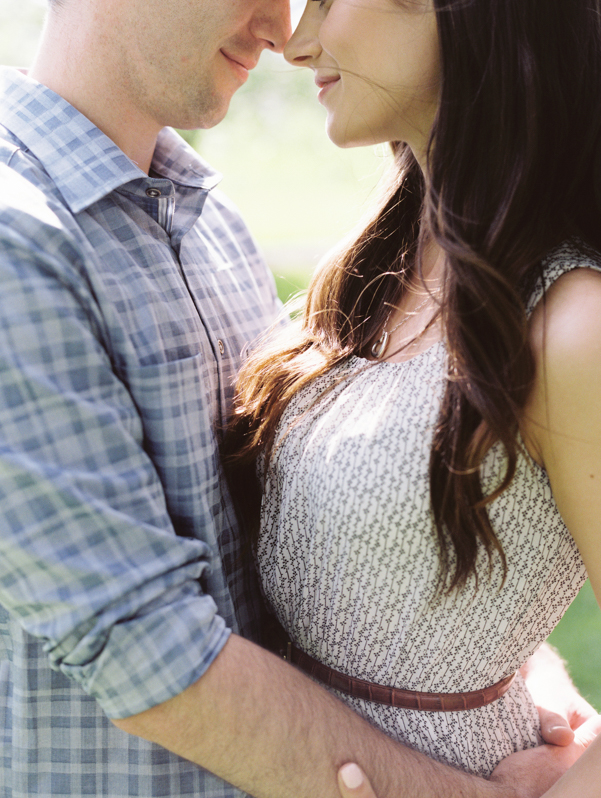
[351, 776]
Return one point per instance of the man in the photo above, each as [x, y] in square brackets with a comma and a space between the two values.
[128, 290]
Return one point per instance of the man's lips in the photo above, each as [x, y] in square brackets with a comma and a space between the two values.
[246, 62]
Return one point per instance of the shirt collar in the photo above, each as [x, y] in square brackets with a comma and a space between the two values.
[177, 161]
[83, 162]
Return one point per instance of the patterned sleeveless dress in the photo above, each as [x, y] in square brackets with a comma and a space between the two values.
[348, 559]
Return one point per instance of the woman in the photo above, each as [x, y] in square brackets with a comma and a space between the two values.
[434, 421]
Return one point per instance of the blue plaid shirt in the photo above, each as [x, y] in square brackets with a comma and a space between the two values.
[125, 302]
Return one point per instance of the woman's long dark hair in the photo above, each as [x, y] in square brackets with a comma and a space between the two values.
[513, 158]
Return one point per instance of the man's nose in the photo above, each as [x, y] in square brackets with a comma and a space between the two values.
[272, 23]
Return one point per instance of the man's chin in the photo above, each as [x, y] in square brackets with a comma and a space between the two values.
[208, 116]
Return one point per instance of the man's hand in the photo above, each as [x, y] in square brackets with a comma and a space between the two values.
[534, 771]
[568, 725]
[561, 708]
[528, 774]
[558, 725]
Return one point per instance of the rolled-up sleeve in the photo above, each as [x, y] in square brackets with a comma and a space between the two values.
[90, 562]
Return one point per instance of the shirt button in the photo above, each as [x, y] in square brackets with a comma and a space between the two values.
[221, 346]
[153, 192]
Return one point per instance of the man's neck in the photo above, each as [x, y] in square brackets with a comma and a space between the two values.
[77, 68]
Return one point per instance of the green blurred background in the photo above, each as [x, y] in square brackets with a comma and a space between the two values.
[300, 195]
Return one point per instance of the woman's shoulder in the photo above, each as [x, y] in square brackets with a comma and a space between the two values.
[565, 336]
[570, 257]
[562, 419]
[566, 306]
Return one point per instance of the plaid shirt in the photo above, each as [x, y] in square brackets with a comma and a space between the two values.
[125, 302]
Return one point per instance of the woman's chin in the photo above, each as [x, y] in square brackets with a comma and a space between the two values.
[346, 135]
[346, 138]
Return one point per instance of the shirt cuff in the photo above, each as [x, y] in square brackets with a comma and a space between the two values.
[150, 659]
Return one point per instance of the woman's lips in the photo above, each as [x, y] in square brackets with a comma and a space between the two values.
[325, 84]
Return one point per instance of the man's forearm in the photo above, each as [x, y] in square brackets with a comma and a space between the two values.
[262, 725]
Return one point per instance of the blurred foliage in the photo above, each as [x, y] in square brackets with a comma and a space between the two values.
[20, 25]
[300, 195]
[578, 639]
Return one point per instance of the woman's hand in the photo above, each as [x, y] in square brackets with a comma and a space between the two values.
[353, 783]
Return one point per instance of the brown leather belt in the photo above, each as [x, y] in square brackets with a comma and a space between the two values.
[394, 696]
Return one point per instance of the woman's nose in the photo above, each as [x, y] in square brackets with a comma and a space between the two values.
[303, 46]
